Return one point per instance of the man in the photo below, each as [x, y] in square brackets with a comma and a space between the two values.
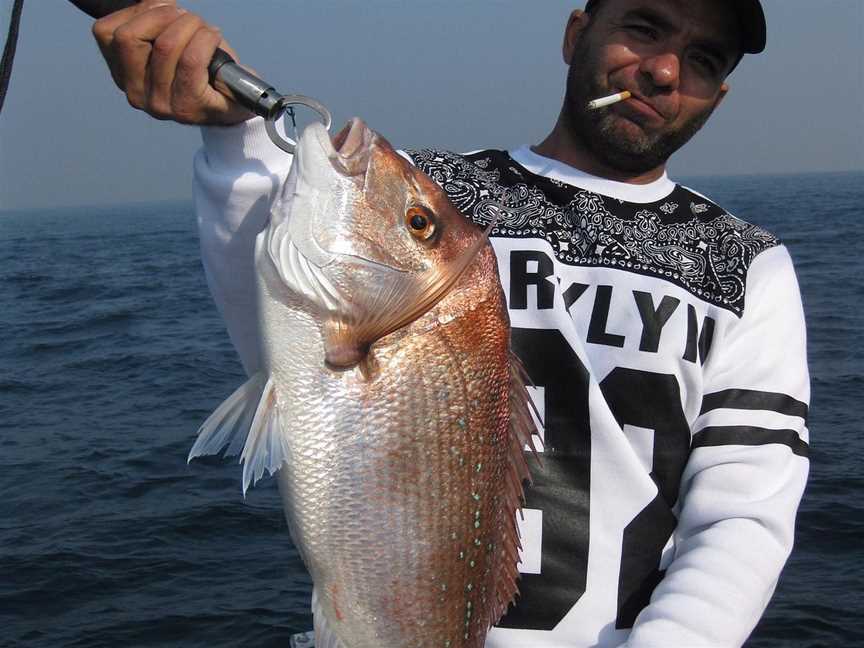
[665, 336]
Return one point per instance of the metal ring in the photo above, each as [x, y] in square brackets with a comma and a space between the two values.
[294, 100]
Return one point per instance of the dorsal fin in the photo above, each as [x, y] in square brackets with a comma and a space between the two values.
[522, 431]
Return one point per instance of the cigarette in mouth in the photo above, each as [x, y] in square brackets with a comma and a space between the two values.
[602, 102]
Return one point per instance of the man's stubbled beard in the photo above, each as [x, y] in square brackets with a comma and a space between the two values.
[597, 130]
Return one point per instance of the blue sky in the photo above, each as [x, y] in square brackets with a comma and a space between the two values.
[485, 74]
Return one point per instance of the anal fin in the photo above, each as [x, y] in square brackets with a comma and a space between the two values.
[324, 635]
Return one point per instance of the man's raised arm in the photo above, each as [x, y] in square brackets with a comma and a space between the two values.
[158, 55]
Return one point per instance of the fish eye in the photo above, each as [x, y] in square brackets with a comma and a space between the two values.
[420, 222]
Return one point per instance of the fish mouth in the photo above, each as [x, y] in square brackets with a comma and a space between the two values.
[349, 153]
[310, 248]
[349, 150]
[324, 172]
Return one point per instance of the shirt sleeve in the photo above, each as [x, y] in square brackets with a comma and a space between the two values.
[237, 174]
[746, 474]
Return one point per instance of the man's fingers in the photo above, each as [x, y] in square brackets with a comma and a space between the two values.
[194, 99]
[159, 56]
[168, 47]
[104, 28]
[131, 47]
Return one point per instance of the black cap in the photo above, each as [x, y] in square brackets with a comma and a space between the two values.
[753, 27]
[750, 16]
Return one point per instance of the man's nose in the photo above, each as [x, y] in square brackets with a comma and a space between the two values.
[664, 70]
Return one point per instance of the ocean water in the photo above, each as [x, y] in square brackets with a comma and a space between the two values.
[112, 354]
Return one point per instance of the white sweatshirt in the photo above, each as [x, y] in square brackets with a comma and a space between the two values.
[666, 341]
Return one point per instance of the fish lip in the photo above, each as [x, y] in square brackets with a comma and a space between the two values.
[348, 159]
[301, 254]
[348, 150]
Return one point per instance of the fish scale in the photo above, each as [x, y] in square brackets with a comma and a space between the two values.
[388, 404]
[388, 498]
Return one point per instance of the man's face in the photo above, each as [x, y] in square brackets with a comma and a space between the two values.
[673, 55]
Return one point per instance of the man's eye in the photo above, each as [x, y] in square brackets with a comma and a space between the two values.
[705, 63]
[644, 31]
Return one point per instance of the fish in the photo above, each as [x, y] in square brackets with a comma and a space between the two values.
[389, 404]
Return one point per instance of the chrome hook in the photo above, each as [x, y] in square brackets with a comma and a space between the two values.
[284, 106]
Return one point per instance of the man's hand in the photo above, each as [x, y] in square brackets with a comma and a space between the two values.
[158, 55]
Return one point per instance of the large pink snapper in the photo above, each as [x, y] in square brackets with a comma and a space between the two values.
[388, 401]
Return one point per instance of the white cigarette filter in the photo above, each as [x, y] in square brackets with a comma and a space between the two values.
[602, 102]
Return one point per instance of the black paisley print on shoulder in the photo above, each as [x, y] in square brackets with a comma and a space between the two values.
[684, 238]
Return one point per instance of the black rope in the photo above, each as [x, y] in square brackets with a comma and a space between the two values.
[9, 50]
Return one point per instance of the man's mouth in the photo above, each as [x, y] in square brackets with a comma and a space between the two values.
[644, 108]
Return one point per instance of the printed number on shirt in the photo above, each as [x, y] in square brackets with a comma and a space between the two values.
[648, 407]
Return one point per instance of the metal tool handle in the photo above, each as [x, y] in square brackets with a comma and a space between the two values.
[247, 89]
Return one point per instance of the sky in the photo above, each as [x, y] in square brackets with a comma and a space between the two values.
[461, 76]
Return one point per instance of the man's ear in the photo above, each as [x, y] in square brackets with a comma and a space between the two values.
[724, 90]
[575, 26]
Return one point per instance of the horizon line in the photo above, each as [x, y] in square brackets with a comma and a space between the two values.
[189, 199]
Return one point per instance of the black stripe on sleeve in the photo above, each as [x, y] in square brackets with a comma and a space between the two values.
[749, 436]
[750, 399]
